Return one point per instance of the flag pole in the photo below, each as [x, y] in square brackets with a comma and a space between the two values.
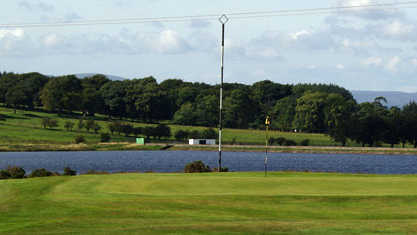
[267, 124]
[223, 20]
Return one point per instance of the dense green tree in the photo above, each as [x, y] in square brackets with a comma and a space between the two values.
[283, 114]
[410, 113]
[310, 116]
[113, 94]
[62, 93]
[239, 109]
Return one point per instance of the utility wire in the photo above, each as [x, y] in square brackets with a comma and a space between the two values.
[232, 15]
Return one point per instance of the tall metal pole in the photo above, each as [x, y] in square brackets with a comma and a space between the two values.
[223, 20]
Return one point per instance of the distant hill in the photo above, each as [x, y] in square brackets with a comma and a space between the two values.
[111, 77]
[394, 98]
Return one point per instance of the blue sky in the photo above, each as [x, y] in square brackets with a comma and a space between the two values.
[363, 49]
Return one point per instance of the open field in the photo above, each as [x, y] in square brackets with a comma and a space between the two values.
[25, 127]
[213, 203]
[23, 132]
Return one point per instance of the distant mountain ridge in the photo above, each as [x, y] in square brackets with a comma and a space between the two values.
[111, 77]
[394, 98]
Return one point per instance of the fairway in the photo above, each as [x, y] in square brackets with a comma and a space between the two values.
[240, 203]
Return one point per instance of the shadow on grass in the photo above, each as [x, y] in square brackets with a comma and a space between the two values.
[31, 115]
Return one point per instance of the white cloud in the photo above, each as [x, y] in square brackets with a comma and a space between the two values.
[312, 67]
[299, 34]
[340, 66]
[367, 9]
[393, 63]
[398, 29]
[50, 40]
[169, 42]
[34, 5]
[375, 61]
[413, 61]
[16, 33]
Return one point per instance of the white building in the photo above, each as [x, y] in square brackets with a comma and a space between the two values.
[202, 141]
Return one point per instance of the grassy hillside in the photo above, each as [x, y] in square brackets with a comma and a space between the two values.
[25, 127]
[240, 203]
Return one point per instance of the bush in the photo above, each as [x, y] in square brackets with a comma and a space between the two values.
[79, 139]
[90, 125]
[280, 141]
[127, 129]
[181, 135]
[16, 172]
[69, 125]
[137, 131]
[41, 173]
[209, 134]
[80, 124]
[305, 142]
[49, 123]
[162, 131]
[97, 128]
[4, 175]
[105, 137]
[196, 167]
[69, 172]
[194, 134]
[290, 143]
[224, 169]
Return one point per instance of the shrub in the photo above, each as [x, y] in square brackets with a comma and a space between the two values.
[305, 142]
[79, 139]
[224, 169]
[290, 143]
[196, 167]
[41, 173]
[97, 128]
[162, 131]
[127, 129]
[137, 131]
[16, 172]
[90, 125]
[105, 137]
[209, 134]
[49, 123]
[181, 135]
[194, 134]
[69, 125]
[280, 141]
[4, 175]
[80, 124]
[69, 172]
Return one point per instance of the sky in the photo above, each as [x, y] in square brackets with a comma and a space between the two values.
[361, 49]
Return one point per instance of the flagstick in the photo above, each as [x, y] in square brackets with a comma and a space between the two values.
[267, 123]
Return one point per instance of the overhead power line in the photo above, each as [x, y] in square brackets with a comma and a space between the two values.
[231, 15]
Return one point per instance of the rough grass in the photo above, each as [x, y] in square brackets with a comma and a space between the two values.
[241, 203]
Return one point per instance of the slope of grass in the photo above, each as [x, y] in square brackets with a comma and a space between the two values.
[241, 203]
[25, 127]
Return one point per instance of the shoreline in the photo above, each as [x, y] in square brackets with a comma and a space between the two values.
[211, 148]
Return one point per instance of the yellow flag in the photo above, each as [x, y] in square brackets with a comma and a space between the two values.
[268, 121]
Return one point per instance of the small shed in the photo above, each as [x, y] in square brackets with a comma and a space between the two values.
[140, 141]
[202, 142]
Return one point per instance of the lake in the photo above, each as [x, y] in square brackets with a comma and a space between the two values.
[174, 161]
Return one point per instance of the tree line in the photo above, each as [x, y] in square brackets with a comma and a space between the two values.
[312, 108]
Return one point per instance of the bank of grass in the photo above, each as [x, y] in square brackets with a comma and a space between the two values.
[25, 127]
[212, 203]
[23, 132]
